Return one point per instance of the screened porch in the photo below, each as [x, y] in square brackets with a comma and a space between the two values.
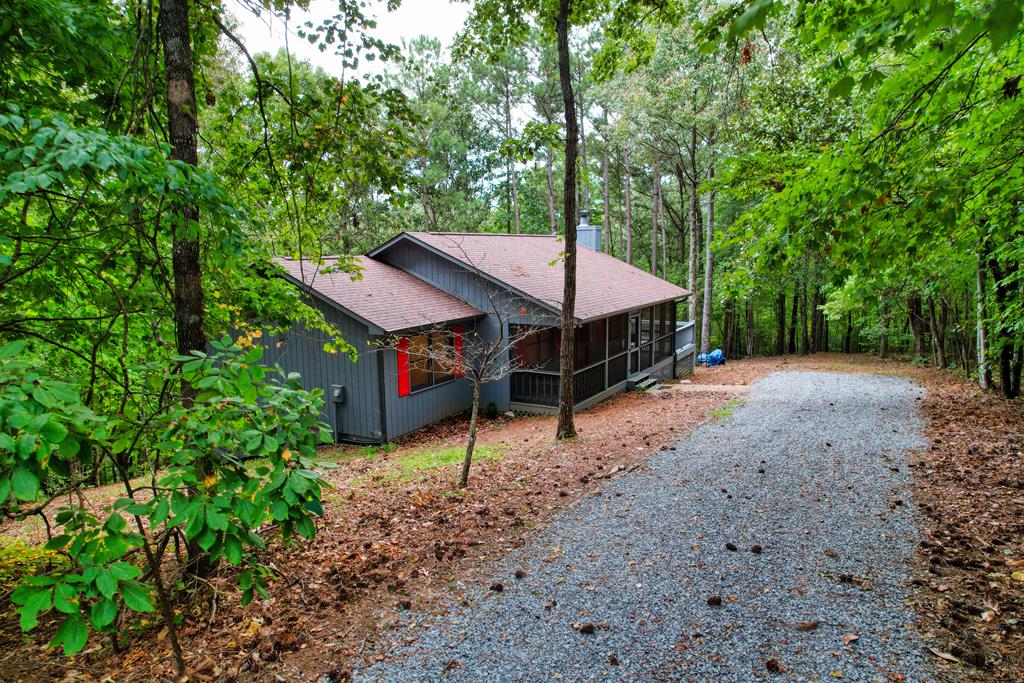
[608, 352]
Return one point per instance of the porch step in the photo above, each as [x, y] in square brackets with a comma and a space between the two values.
[634, 381]
[647, 384]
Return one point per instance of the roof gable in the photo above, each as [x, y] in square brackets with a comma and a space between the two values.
[533, 265]
[385, 297]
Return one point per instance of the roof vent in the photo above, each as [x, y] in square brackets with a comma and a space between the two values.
[586, 234]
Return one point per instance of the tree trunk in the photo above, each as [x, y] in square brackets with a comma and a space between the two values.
[474, 416]
[938, 333]
[551, 190]
[916, 324]
[424, 194]
[629, 207]
[961, 336]
[780, 318]
[695, 221]
[848, 336]
[805, 338]
[750, 327]
[655, 205]
[620, 204]
[819, 325]
[606, 190]
[566, 394]
[664, 240]
[584, 172]
[727, 327]
[793, 318]
[1018, 366]
[709, 265]
[515, 198]
[883, 337]
[1003, 293]
[183, 131]
[510, 168]
[984, 371]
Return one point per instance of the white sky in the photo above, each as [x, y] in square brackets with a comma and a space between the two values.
[438, 18]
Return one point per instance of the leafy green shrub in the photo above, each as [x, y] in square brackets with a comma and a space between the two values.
[19, 559]
[203, 492]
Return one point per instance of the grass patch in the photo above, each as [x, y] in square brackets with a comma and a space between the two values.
[727, 409]
[409, 466]
[406, 467]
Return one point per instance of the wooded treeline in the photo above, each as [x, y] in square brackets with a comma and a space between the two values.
[803, 189]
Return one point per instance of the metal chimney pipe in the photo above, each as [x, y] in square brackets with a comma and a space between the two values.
[586, 234]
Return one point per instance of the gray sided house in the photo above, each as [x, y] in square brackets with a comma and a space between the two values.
[422, 288]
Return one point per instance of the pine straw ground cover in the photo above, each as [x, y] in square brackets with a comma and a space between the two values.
[395, 532]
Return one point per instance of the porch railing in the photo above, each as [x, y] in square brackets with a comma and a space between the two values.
[684, 336]
[536, 387]
[540, 387]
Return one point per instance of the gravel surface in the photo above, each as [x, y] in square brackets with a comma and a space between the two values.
[809, 466]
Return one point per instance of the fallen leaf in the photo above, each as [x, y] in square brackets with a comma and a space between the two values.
[850, 638]
[808, 625]
[943, 655]
[584, 628]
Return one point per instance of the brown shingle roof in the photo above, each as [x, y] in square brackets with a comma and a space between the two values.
[532, 264]
[387, 297]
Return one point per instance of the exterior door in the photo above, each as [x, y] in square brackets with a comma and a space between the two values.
[634, 343]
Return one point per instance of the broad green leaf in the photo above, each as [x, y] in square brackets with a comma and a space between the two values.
[24, 483]
[1002, 22]
[65, 598]
[106, 582]
[279, 510]
[215, 519]
[233, 550]
[72, 634]
[123, 571]
[13, 348]
[103, 612]
[32, 603]
[298, 483]
[305, 527]
[136, 596]
[207, 539]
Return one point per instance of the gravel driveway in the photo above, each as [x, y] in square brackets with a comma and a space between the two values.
[771, 544]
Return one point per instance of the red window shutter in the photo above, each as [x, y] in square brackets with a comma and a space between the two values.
[457, 332]
[403, 367]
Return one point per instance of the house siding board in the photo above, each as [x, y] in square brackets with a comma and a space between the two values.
[301, 351]
[408, 413]
[482, 295]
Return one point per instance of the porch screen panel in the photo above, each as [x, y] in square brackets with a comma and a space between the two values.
[618, 331]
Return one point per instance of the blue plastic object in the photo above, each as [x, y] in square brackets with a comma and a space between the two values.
[712, 359]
